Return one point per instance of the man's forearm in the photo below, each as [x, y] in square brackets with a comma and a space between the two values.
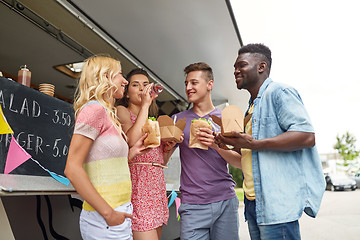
[231, 157]
[168, 154]
[285, 142]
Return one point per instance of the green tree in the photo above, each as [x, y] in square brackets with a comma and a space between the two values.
[346, 147]
[237, 175]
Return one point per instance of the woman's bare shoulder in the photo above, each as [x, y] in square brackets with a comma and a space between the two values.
[122, 110]
[123, 113]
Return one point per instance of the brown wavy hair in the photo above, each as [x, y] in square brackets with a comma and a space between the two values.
[200, 66]
[153, 109]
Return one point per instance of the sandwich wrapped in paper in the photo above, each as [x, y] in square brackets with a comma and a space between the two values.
[232, 118]
[195, 125]
[151, 127]
[170, 131]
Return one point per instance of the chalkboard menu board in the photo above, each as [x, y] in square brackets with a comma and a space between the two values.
[42, 125]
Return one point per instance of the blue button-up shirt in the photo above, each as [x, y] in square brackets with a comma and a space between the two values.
[286, 183]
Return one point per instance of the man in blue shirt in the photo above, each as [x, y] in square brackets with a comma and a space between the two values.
[282, 170]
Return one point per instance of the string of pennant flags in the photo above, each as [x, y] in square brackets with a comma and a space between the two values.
[174, 198]
[17, 155]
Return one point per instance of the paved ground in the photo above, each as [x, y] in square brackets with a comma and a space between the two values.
[338, 218]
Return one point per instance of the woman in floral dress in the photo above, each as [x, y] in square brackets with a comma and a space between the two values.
[148, 183]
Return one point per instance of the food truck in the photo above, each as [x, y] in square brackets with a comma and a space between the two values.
[52, 38]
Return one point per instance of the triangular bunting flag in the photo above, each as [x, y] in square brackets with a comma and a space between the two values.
[59, 178]
[177, 203]
[15, 157]
[4, 126]
[173, 195]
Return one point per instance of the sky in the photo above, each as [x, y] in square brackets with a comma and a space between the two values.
[315, 48]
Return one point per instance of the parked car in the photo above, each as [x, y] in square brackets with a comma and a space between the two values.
[357, 179]
[339, 182]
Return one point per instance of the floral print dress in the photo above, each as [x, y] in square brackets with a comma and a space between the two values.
[148, 190]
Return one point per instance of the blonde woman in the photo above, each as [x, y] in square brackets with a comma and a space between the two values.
[97, 164]
[147, 176]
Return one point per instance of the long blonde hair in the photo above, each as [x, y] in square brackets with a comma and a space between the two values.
[96, 83]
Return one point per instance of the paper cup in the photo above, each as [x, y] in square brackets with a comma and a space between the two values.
[48, 85]
[48, 93]
[47, 88]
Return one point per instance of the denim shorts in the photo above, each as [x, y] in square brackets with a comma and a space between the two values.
[288, 230]
[93, 225]
[219, 220]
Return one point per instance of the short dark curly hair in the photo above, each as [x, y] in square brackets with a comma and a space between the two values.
[258, 49]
